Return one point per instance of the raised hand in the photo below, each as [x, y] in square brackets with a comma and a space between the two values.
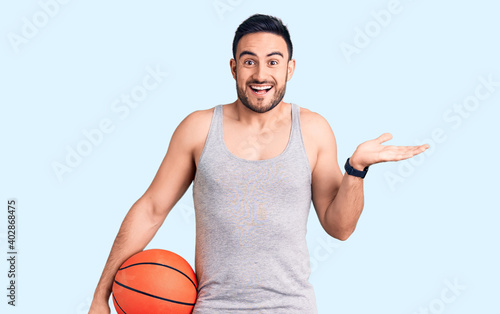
[372, 152]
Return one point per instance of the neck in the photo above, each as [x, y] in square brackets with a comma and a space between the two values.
[259, 121]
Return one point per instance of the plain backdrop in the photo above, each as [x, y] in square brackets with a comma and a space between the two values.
[425, 71]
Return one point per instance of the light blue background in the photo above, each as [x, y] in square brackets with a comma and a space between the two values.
[438, 223]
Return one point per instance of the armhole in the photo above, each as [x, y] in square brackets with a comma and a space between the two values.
[304, 152]
[207, 142]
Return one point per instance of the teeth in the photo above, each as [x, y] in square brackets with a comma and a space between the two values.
[261, 87]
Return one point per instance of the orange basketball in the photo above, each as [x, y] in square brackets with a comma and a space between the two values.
[155, 281]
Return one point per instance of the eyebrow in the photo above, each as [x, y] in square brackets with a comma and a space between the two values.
[246, 52]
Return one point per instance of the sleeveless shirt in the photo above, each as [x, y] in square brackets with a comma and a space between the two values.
[251, 216]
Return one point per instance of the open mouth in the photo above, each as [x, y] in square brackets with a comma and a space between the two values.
[260, 89]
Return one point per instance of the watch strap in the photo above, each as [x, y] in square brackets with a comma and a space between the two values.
[354, 172]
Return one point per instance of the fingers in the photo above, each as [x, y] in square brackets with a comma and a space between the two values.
[415, 150]
[384, 138]
[422, 148]
[396, 153]
[412, 152]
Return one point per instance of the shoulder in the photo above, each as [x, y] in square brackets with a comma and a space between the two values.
[199, 116]
[311, 117]
[315, 125]
[194, 121]
[194, 128]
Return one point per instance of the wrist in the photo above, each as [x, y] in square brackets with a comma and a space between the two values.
[101, 295]
[354, 162]
[350, 170]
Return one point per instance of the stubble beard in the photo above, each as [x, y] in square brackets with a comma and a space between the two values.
[278, 97]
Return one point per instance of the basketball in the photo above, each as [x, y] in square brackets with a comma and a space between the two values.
[154, 281]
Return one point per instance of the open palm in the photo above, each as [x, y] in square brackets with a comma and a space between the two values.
[372, 152]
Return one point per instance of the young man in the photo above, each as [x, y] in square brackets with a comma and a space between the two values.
[255, 164]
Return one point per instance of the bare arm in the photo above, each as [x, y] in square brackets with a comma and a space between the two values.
[343, 213]
[147, 214]
[338, 199]
[136, 231]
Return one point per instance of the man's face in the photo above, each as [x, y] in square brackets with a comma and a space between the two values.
[261, 70]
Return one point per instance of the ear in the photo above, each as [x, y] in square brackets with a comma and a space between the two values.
[290, 69]
[232, 64]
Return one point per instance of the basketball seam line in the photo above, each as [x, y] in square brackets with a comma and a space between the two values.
[151, 263]
[152, 295]
[118, 304]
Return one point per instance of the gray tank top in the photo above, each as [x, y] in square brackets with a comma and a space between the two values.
[251, 220]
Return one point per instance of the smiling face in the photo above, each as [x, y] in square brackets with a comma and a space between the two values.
[261, 70]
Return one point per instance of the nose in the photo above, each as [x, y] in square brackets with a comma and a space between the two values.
[260, 74]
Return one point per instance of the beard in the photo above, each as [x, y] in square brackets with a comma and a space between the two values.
[258, 107]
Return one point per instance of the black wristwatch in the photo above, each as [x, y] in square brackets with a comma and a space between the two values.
[353, 172]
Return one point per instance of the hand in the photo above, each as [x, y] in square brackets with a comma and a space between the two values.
[372, 152]
[98, 307]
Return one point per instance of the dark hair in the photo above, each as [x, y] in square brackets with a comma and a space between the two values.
[263, 23]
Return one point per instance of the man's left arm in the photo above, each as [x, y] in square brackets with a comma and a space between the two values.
[338, 199]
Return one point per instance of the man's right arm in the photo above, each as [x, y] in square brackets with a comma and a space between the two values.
[147, 214]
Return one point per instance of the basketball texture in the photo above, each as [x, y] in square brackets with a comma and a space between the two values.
[154, 281]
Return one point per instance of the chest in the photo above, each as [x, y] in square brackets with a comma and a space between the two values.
[265, 144]
[247, 144]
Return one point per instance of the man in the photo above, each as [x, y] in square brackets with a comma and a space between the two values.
[256, 164]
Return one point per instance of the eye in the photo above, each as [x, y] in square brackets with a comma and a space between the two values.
[273, 62]
[248, 62]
